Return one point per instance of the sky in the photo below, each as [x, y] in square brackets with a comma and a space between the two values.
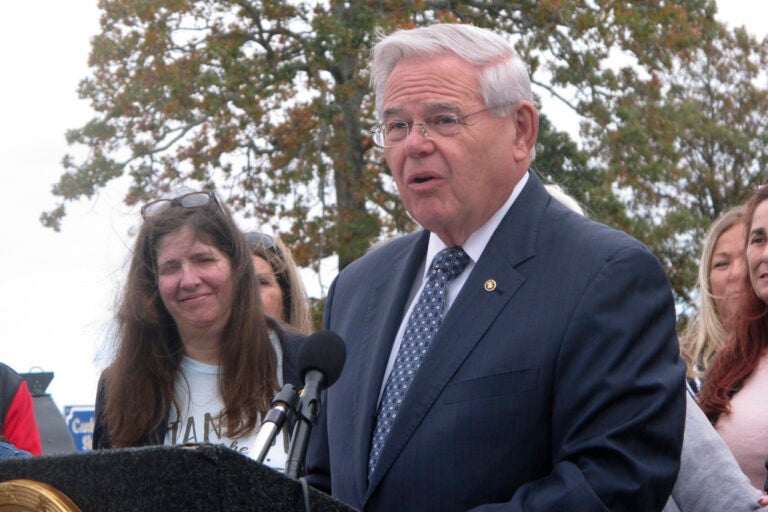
[59, 289]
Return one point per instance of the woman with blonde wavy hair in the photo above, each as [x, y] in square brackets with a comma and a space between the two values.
[722, 272]
[283, 296]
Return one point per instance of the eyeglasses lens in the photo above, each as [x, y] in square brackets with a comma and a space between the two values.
[155, 207]
[262, 239]
[194, 199]
[191, 200]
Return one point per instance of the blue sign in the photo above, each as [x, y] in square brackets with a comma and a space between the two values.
[81, 420]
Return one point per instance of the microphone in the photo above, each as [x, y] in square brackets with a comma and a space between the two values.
[321, 360]
[284, 401]
[320, 363]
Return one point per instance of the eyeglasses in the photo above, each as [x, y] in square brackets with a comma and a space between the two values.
[190, 200]
[390, 133]
[261, 239]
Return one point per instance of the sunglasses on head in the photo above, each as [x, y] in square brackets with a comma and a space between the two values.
[189, 200]
[261, 239]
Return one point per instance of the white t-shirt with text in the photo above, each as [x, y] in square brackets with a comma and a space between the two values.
[198, 395]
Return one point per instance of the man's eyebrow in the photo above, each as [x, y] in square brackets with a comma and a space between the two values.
[391, 111]
[429, 108]
[757, 231]
[442, 107]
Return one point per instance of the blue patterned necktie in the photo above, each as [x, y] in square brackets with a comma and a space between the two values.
[422, 325]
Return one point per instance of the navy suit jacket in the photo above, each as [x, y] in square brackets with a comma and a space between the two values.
[560, 388]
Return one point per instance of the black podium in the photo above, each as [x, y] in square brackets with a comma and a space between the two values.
[195, 478]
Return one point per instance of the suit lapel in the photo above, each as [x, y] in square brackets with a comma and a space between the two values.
[386, 305]
[472, 313]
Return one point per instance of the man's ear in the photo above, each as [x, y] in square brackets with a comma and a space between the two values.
[526, 129]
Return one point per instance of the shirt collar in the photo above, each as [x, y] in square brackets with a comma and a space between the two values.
[475, 244]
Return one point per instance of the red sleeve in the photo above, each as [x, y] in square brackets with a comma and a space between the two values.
[20, 426]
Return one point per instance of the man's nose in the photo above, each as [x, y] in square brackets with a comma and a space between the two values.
[419, 143]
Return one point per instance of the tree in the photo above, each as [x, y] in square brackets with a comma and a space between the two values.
[268, 102]
[687, 143]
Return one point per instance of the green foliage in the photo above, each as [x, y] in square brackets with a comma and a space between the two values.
[685, 143]
[269, 101]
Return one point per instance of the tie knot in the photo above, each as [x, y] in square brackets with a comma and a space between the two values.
[449, 262]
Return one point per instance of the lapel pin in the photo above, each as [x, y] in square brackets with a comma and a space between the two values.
[490, 285]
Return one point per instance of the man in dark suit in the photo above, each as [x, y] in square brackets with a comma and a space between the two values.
[544, 372]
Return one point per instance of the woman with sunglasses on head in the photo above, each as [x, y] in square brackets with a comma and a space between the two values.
[196, 359]
[736, 382]
[282, 292]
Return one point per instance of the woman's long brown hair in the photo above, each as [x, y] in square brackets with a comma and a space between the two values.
[141, 378]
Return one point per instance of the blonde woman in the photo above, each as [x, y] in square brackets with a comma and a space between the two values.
[282, 292]
[722, 273]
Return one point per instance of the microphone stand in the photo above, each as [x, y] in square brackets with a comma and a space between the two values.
[284, 401]
[309, 408]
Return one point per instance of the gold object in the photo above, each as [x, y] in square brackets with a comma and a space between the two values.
[490, 285]
[32, 496]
